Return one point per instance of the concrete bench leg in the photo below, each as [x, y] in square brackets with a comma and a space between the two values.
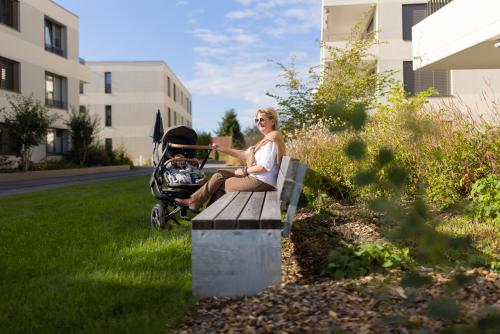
[235, 262]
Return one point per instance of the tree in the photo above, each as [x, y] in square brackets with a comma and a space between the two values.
[349, 79]
[252, 135]
[231, 127]
[83, 130]
[26, 123]
[204, 138]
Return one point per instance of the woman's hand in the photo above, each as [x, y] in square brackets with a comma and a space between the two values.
[240, 172]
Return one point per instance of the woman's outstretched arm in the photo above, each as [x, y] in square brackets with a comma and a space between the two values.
[240, 154]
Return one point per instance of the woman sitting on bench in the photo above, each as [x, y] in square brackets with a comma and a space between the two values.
[261, 170]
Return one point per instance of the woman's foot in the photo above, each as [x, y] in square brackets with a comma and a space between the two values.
[187, 202]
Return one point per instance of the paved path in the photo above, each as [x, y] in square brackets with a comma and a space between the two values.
[20, 187]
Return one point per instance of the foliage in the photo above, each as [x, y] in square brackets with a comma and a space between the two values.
[98, 155]
[231, 127]
[351, 261]
[26, 123]
[53, 164]
[349, 78]
[252, 135]
[83, 259]
[83, 130]
[5, 162]
[204, 138]
[485, 195]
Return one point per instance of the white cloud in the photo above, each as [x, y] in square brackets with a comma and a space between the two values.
[243, 14]
[210, 37]
[181, 3]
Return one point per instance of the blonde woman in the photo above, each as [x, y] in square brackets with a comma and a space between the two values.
[261, 170]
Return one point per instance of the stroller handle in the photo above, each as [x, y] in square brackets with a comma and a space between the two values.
[196, 147]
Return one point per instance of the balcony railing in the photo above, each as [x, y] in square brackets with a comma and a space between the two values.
[55, 104]
[435, 5]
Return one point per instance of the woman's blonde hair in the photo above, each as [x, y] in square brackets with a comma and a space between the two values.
[270, 113]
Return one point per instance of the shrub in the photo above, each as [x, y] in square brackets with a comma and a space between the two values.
[485, 197]
[351, 261]
[97, 155]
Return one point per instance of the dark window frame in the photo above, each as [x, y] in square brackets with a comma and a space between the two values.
[108, 145]
[6, 145]
[168, 86]
[51, 102]
[55, 30]
[10, 68]
[175, 93]
[62, 137]
[108, 83]
[169, 117]
[410, 18]
[9, 13]
[108, 116]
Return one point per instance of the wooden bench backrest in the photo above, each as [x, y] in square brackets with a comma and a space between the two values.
[289, 186]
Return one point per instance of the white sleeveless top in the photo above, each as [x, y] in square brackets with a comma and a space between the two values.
[266, 157]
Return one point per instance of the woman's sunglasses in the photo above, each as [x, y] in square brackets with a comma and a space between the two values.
[257, 120]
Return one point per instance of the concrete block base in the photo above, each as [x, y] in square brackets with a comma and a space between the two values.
[235, 262]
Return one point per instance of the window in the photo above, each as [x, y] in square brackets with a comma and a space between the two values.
[175, 118]
[169, 117]
[175, 93]
[182, 97]
[55, 37]
[107, 115]
[83, 109]
[412, 14]
[108, 144]
[9, 74]
[417, 81]
[55, 91]
[82, 87]
[6, 146]
[168, 86]
[57, 141]
[9, 13]
[107, 82]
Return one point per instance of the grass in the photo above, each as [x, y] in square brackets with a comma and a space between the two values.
[83, 259]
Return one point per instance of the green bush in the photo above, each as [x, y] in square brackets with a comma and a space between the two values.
[351, 261]
[485, 197]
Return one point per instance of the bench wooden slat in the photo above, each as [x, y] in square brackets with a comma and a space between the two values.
[286, 175]
[227, 218]
[205, 219]
[270, 217]
[294, 199]
[249, 217]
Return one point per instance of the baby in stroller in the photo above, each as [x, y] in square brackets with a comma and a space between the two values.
[176, 174]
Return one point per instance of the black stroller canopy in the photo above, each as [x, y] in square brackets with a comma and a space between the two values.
[180, 135]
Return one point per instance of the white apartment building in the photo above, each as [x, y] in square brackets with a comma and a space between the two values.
[459, 34]
[393, 21]
[125, 95]
[39, 56]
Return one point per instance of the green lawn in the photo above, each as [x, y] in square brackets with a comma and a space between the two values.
[83, 259]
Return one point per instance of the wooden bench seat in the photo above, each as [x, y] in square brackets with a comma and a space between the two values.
[236, 241]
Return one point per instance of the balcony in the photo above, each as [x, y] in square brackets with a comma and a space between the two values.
[460, 34]
[435, 5]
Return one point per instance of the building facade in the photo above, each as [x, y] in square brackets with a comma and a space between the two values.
[392, 22]
[125, 95]
[39, 57]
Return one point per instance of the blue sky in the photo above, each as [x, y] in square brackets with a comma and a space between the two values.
[220, 49]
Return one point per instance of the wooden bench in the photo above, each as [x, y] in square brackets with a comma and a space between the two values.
[236, 241]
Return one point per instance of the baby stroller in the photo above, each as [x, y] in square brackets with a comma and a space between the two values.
[177, 173]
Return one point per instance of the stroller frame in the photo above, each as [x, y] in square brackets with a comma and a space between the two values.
[167, 210]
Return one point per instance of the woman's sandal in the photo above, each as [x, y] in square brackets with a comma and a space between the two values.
[190, 207]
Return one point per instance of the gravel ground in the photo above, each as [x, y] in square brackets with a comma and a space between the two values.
[309, 303]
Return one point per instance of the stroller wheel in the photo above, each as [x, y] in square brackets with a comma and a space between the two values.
[158, 214]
